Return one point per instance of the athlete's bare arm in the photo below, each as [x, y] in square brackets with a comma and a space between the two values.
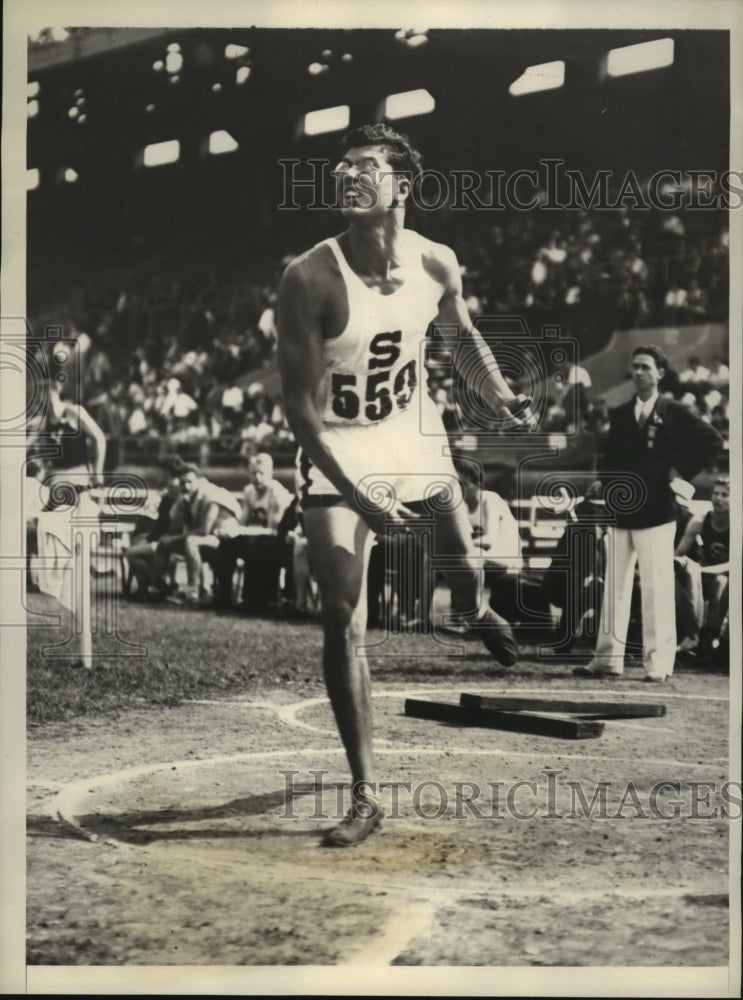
[441, 262]
[303, 308]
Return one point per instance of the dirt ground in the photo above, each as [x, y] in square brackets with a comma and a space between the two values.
[166, 837]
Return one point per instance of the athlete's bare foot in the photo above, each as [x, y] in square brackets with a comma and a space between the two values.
[363, 818]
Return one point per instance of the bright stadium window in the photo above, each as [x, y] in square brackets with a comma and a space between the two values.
[545, 76]
[233, 51]
[221, 142]
[408, 103]
[327, 120]
[174, 62]
[158, 153]
[640, 58]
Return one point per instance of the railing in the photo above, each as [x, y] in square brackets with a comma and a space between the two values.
[223, 452]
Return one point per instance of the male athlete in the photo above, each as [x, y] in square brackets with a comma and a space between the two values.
[352, 317]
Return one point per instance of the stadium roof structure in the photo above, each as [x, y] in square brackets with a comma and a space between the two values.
[261, 90]
[147, 137]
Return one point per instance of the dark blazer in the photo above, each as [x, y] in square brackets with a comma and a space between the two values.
[636, 465]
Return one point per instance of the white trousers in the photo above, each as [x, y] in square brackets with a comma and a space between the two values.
[652, 549]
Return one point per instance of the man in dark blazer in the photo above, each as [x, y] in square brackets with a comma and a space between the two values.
[654, 444]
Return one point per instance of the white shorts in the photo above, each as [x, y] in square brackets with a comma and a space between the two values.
[388, 460]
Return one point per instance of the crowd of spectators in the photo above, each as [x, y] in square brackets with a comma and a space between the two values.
[174, 347]
[595, 272]
[705, 391]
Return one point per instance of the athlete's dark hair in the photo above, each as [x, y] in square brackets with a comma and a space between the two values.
[403, 157]
[661, 361]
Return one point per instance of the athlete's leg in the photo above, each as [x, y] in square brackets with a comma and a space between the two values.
[463, 568]
[339, 543]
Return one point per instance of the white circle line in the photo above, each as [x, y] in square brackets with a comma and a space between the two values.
[67, 801]
[288, 714]
[281, 869]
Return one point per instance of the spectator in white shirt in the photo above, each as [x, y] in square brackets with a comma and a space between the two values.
[577, 383]
[675, 303]
[719, 372]
[696, 372]
[233, 399]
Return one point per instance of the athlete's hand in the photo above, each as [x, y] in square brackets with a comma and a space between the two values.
[391, 516]
[518, 414]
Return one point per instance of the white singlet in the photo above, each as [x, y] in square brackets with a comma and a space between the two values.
[381, 422]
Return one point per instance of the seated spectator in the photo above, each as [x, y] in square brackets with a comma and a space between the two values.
[495, 533]
[264, 499]
[572, 585]
[707, 541]
[203, 513]
[300, 589]
[687, 586]
[397, 559]
[140, 556]
[255, 540]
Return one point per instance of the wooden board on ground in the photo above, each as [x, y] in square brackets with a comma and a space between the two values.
[594, 709]
[518, 722]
